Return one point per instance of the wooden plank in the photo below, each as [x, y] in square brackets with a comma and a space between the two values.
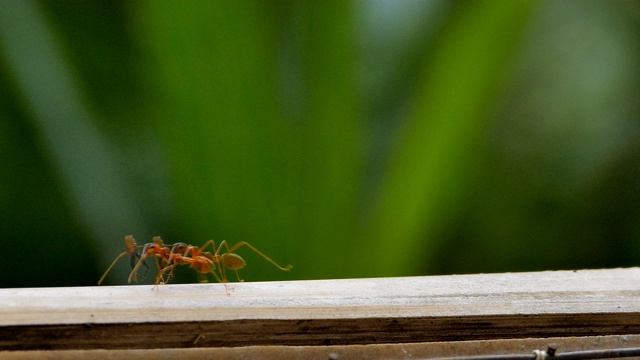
[415, 351]
[325, 312]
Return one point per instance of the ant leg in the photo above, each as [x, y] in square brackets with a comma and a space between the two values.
[212, 259]
[134, 273]
[200, 250]
[160, 275]
[170, 275]
[223, 270]
[134, 259]
[202, 278]
[224, 281]
[221, 279]
[238, 275]
[131, 248]
[244, 243]
[111, 266]
[159, 272]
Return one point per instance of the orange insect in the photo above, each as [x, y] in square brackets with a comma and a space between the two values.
[131, 249]
[205, 262]
[183, 254]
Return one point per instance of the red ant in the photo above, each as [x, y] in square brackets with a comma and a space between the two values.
[131, 249]
[184, 254]
[204, 262]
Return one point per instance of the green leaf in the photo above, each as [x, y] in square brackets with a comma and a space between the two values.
[437, 147]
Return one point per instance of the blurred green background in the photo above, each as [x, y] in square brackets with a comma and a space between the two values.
[349, 139]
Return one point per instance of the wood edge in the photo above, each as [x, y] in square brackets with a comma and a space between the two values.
[382, 351]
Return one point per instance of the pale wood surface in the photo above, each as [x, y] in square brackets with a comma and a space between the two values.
[353, 311]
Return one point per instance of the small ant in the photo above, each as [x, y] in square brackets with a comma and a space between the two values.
[131, 249]
[204, 262]
[183, 254]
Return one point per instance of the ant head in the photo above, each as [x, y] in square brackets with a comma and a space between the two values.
[179, 248]
[149, 249]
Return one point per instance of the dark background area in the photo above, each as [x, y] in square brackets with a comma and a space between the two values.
[349, 139]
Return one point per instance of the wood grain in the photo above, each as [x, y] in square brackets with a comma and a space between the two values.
[402, 351]
[325, 312]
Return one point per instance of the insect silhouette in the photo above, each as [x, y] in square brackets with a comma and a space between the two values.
[131, 249]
